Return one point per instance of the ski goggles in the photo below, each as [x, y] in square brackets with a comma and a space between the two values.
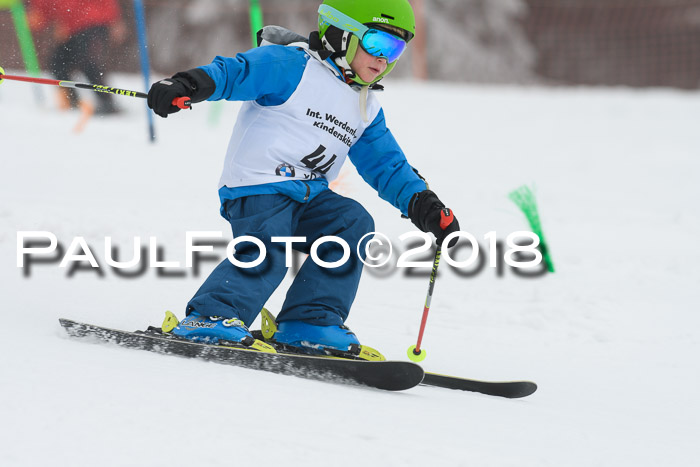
[375, 42]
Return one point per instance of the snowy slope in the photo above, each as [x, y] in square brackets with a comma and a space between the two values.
[611, 337]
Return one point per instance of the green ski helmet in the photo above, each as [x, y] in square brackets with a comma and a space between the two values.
[393, 16]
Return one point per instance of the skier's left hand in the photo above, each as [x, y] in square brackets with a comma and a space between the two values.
[427, 212]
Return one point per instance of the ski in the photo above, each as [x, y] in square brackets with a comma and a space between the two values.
[386, 375]
[508, 389]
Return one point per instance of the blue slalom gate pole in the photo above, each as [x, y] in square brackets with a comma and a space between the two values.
[145, 62]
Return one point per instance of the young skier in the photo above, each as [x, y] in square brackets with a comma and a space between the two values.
[307, 107]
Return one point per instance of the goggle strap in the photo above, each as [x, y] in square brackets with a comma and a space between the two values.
[341, 20]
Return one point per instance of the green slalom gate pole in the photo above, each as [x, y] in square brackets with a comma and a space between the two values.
[256, 20]
[524, 198]
[140, 16]
[256, 24]
[24, 37]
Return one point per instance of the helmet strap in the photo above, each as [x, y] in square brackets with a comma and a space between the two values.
[342, 57]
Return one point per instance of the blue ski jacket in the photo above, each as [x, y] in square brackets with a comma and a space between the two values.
[270, 78]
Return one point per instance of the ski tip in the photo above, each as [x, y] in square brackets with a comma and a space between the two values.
[2, 73]
[528, 388]
[507, 389]
[393, 375]
[519, 389]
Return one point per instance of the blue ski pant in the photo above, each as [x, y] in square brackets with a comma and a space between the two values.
[318, 295]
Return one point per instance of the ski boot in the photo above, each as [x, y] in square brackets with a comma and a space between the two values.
[213, 330]
[307, 338]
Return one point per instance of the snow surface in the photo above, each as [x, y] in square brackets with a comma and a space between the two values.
[611, 338]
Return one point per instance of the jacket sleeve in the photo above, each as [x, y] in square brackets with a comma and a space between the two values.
[383, 165]
[268, 75]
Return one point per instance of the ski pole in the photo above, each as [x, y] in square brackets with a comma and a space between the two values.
[181, 102]
[415, 353]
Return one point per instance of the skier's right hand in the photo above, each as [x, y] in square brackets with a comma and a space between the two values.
[162, 94]
[429, 214]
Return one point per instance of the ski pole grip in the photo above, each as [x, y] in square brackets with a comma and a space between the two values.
[446, 218]
[182, 102]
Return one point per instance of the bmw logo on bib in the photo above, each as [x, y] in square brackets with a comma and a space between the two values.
[285, 170]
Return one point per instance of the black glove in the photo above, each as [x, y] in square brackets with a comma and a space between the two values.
[428, 213]
[196, 84]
